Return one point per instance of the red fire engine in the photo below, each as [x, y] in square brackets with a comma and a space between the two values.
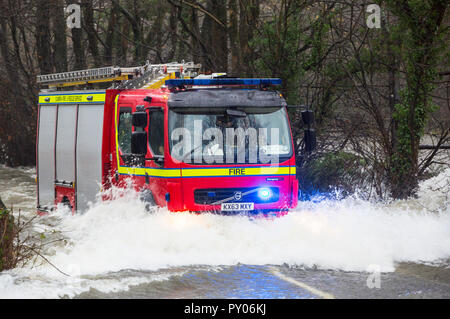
[170, 132]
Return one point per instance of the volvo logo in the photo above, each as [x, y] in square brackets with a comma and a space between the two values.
[238, 195]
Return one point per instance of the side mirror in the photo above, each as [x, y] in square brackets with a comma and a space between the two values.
[139, 119]
[310, 140]
[139, 143]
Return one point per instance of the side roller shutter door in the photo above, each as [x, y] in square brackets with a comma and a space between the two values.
[89, 154]
[46, 155]
[65, 143]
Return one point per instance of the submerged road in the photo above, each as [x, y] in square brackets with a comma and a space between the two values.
[254, 282]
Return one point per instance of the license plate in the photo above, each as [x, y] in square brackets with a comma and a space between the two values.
[227, 207]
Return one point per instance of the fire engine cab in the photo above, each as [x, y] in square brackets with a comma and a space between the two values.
[188, 142]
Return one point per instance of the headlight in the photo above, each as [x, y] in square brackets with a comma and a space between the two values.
[265, 193]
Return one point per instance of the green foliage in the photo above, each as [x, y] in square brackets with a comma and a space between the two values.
[419, 29]
[283, 50]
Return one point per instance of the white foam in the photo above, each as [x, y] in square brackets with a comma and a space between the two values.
[24, 284]
[349, 235]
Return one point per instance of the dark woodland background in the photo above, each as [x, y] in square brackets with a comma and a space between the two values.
[380, 96]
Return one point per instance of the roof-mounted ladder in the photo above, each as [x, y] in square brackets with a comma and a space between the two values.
[146, 76]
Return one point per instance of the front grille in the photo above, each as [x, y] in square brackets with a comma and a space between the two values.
[209, 196]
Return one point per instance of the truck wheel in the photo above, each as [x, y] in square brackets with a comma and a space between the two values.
[147, 197]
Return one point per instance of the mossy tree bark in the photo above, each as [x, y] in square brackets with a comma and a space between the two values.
[6, 238]
[420, 23]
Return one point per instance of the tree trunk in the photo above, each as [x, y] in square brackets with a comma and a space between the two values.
[248, 18]
[109, 39]
[233, 35]
[134, 21]
[78, 50]
[17, 134]
[423, 21]
[6, 240]
[123, 48]
[214, 37]
[59, 35]
[173, 30]
[7, 230]
[155, 34]
[88, 18]
[195, 45]
[43, 36]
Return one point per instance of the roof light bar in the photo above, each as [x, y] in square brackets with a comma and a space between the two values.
[223, 81]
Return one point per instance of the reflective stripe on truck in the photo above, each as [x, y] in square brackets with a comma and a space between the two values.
[72, 98]
[208, 172]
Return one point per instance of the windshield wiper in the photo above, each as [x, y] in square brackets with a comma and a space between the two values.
[191, 152]
[235, 113]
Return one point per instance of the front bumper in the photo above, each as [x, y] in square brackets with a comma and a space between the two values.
[183, 195]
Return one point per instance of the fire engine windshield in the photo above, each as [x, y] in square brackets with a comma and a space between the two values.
[229, 136]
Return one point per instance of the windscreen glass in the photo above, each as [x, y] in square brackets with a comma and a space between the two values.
[229, 136]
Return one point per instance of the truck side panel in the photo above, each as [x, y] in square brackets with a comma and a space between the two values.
[69, 164]
[89, 153]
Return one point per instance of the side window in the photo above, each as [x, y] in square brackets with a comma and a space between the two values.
[156, 132]
[124, 130]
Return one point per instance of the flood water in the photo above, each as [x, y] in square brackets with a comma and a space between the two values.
[349, 248]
